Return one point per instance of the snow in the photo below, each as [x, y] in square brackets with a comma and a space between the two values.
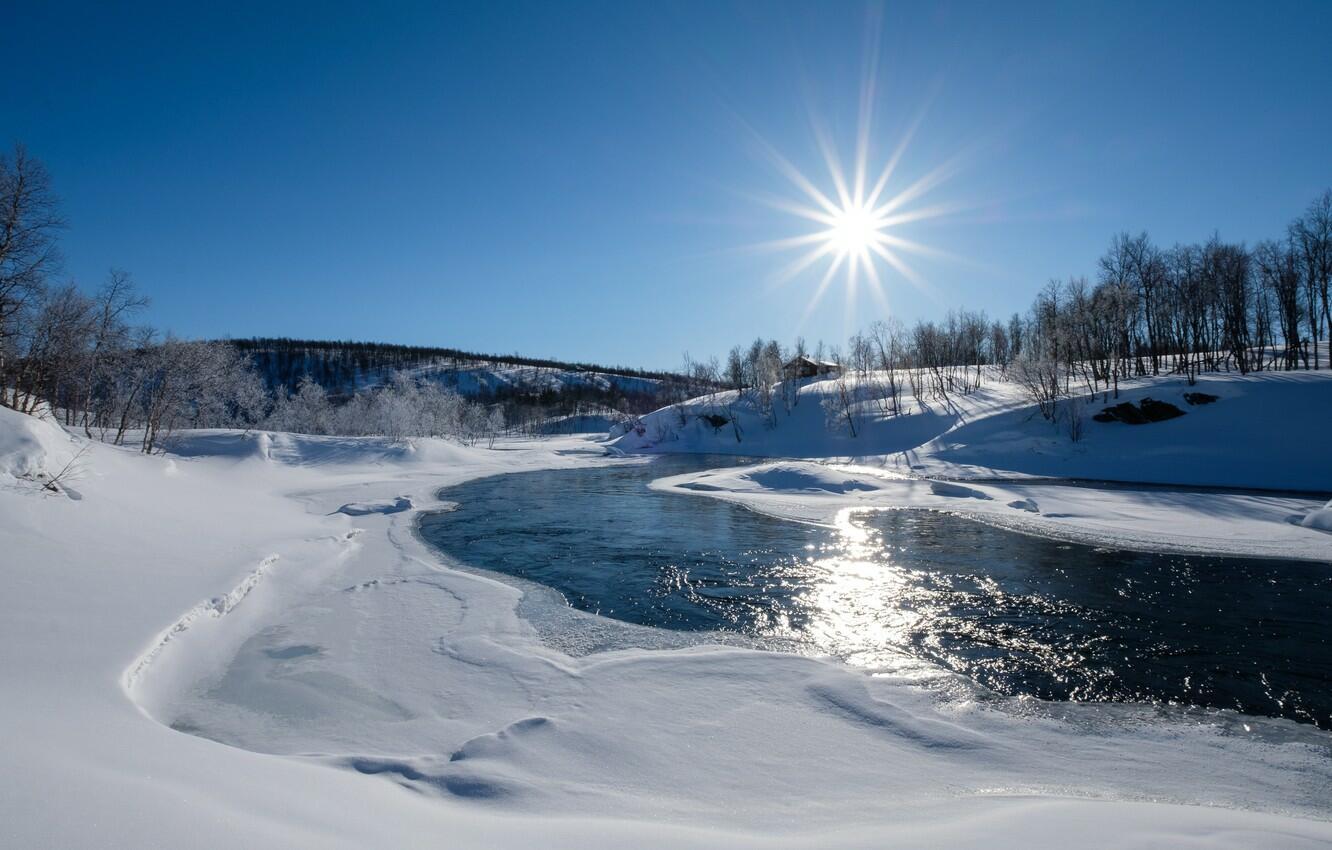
[31, 450]
[385, 506]
[799, 434]
[223, 590]
[1320, 519]
[1241, 440]
[989, 455]
[484, 377]
[1151, 519]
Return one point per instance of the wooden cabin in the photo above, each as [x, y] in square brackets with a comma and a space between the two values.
[807, 367]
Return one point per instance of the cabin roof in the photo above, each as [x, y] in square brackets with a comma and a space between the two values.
[795, 361]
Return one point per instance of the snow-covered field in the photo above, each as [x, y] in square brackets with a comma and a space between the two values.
[269, 590]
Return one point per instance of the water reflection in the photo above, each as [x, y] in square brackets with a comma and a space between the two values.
[854, 582]
[1020, 615]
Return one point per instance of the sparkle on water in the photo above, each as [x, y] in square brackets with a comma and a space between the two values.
[1020, 615]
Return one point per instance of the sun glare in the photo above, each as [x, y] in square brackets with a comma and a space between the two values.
[854, 229]
[858, 213]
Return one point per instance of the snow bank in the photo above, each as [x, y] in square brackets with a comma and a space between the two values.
[1153, 519]
[31, 449]
[1239, 441]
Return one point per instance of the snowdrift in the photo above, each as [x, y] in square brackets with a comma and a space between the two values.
[32, 450]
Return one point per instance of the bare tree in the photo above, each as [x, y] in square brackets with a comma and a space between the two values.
[29, 221]
[1311, 235]
[1278, 273]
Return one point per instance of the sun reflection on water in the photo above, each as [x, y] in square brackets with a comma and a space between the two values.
[850, 606]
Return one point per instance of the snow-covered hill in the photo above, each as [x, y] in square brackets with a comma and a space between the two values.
[491, 379]
[1262, 432]
[343, 368]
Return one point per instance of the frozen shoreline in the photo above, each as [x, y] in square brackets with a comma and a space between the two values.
[1249, 524]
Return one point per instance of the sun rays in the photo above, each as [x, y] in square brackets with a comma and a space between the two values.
[854, 237]
[856, 214]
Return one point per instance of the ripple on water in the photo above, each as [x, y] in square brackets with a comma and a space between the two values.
[1020, 615]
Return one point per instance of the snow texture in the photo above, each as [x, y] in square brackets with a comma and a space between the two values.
[341, 687]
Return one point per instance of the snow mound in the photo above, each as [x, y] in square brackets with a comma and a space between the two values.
[805, 477]
[957, 491]
[32, 449]
[1320, 519]
[1028, 505]
[222, 443]
[1197, 449]
[791, 478]
[387, 506]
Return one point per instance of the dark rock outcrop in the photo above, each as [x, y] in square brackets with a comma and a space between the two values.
[1148, 410]
[1126, 412]
[1200, 398]
[1159, 411]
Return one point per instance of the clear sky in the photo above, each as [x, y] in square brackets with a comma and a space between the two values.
[581, 180]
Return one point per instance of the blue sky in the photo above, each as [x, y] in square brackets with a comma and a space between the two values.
[582, 180]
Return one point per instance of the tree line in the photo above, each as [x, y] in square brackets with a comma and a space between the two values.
[530, 391]
[1215, 306]
[340, 366]
[933, 360]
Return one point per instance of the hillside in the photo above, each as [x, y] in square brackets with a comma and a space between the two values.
[1241, 440]
[344, 367]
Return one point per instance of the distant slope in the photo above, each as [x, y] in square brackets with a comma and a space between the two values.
[344, 367]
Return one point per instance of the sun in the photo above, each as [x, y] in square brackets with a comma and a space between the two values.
[855, 225]
[854, 230]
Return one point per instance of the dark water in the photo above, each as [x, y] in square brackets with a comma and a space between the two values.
[1019, 614]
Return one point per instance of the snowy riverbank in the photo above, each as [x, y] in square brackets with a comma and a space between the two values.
[1263, 431]
[228, 570]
